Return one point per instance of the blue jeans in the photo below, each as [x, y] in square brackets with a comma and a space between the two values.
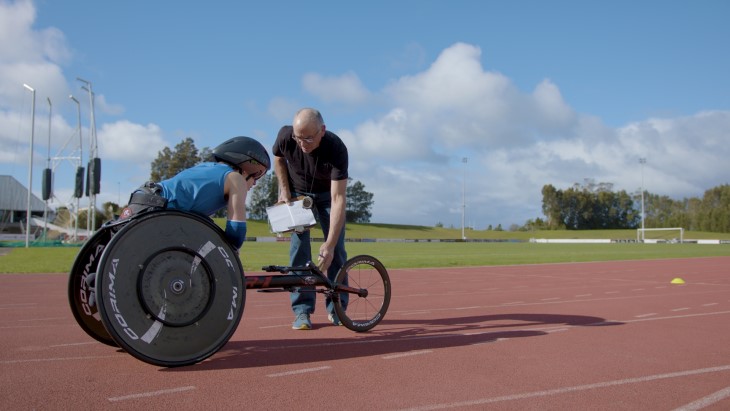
[300, 252]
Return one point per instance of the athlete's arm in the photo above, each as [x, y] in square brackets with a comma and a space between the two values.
[236, 188]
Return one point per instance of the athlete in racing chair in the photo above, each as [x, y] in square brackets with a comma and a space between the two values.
[210, 186]
[204, 189]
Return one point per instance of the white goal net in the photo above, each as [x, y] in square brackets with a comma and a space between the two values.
[660, 235]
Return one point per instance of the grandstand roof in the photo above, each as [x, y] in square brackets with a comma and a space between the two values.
[14, 196]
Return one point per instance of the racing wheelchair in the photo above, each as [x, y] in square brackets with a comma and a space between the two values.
[168, 288]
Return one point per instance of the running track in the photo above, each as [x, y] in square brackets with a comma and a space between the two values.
[599, 336]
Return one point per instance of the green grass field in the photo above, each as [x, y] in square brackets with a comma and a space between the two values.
[254, 255]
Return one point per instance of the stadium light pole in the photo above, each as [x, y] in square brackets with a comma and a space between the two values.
[81, 160]
[93, 153]
[48, 166]
[463, 201]
[642, 161]
[30, 168]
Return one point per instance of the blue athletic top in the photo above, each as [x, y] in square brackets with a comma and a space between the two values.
[198, 189]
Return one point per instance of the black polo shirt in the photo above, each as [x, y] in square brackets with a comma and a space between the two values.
[312, 172]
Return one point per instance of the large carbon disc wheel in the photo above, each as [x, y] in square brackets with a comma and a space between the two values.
[80, 291]
[362, 311]
[171, 288]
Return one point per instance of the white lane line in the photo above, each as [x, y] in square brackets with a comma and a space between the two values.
[302, 371]
[93, 357]
[565, 390]
[706, 401]
[550, 299]
[680, 309]
[151, 394]
[274, 326]
[8, 327]
[674, 317]
[491, 341]
[612, 292]
[73, 344]
[416, 313]
[645, 315]
[709, 304]
[557, 330]
[18, 305]
[43, 319]
[514, 302]
[583, 295]
[406, 354]
[466, 308]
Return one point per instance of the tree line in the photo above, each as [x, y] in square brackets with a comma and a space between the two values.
[597, 206]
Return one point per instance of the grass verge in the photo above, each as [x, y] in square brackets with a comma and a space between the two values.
[254, 255]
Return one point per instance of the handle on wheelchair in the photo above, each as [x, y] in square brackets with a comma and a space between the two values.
[310, 266]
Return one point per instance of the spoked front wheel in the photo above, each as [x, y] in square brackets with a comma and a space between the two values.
[362, 293]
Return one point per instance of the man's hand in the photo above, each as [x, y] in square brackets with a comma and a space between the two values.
[324, 260]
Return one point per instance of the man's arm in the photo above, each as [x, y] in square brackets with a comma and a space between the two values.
[283, 176]
[337, 222]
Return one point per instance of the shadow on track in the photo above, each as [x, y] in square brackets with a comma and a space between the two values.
[391, 337]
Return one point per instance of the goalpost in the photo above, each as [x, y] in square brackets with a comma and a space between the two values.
[641, 235]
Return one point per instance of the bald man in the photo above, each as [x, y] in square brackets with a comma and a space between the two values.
[311, 161]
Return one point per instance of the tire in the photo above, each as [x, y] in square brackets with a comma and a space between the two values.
[363, 312]
[171, 288]
[79, 292]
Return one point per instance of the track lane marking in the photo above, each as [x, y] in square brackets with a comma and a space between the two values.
[706, 401]
[565, 390]
[43, 319]
[674, 317]
[73, 344]
[16, 305]
[93, 357]
[416, 313]
[151, 394]
[297, 372]
[406, 354]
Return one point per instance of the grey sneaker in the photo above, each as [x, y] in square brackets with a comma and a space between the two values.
[333, 319]
[302, 322]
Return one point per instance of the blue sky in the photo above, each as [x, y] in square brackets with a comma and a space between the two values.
[531, 92]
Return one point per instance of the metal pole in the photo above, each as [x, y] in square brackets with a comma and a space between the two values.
[642, 161]
[463, 201]
[81, 161]
[91, 213]
[48, 165]
[30, 169]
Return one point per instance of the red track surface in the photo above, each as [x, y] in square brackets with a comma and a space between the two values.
[599, 336]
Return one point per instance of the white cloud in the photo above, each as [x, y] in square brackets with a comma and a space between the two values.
[346, 88]
[20, 42]
[408, 153]
[282, 109]
[131, 142]
[516, 143]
